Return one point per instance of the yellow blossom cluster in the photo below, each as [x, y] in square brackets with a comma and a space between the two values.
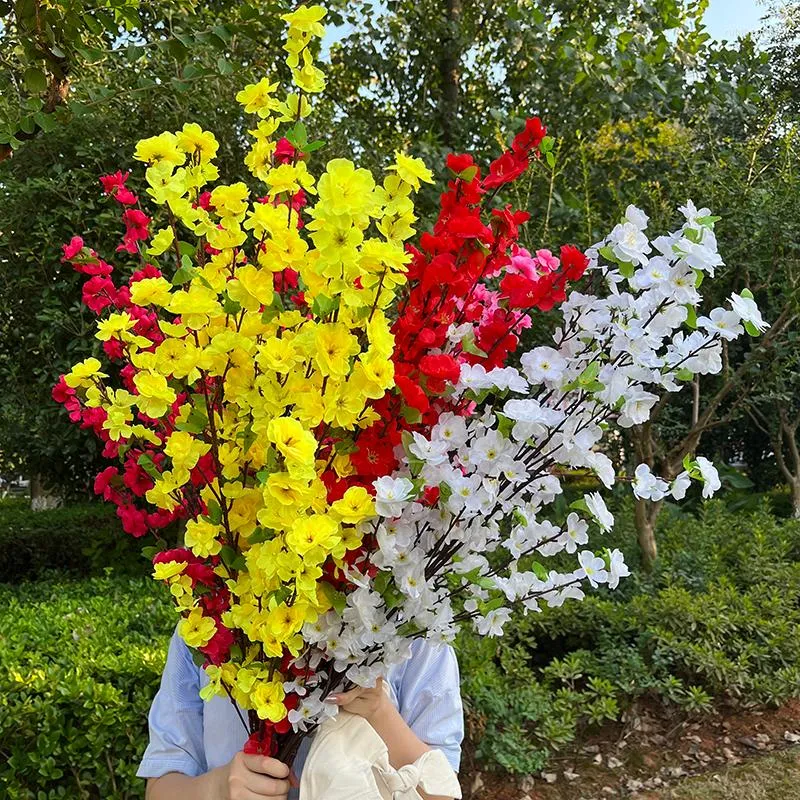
[260, 383]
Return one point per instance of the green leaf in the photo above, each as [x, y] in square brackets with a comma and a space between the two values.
[546, 144]
[751, 329]
[148, 465]
[35, 80]
[410, 414]
[539, 571]
[183, 275]
[691, 316]
[323, 306]
[224, 66]
[468, 174]
[335, 598]
[230, 306]
[214, 512]
[196, 422]
[312, 146]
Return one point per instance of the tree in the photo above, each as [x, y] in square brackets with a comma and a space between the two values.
[49, 191]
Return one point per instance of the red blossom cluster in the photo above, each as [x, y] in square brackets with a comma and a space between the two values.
[470, 286]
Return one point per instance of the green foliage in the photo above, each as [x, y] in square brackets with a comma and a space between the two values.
[82, 540]
[717, 622]
[79, 666]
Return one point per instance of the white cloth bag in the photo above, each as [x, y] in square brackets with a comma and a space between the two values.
[349, 761]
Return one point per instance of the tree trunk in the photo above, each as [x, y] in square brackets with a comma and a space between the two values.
[450, 72]
[796, 497]
[43, 497]
[645, 517]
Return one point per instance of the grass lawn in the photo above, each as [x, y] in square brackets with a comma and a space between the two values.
[775, 777]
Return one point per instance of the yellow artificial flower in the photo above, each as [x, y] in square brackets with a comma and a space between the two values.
[201, 537]
[196, 142]
[230, 200]
[155, 396]
[82, 373]
[307, 19]
[197, 630]
[165, 570]
[257, 97]
[294, 442]
[151, 291]
[411, 170]
[114, 326]
[158, 149]
[267, 698]
[345, 190]
[252, 288]
[334, 347]
[355, 506]
[161, 242]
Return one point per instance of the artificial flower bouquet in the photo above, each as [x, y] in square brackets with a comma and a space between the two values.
[339, 410]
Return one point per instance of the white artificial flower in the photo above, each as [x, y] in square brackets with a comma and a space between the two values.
[576, 532]
[748, 311]
[543, 364]
[647, 486]
[598, 509]
[492, 624]
[710, 476]
[617, 568]
[680, 485]
[391, 495]
[629, 244]
[636, 217]
[725, 323]
[593, 567]
[636, 408]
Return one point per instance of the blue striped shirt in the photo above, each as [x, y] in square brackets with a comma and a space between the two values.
[191, 736]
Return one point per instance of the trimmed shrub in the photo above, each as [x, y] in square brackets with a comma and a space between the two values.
[718, 622]
[80, 663]
[81, 540]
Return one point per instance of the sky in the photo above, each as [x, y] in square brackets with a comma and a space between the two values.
[726, 19]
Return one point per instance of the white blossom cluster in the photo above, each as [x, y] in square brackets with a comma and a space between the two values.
[483, 547]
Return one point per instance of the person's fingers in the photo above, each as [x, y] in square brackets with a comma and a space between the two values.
[249, 794]
[263, 786]
[344, 698]
[266, 766]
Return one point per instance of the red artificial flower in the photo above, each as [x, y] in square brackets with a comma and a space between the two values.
[98, 293]
[412, 393]
[62, 393]
[285, 152]
[459, 163]
[103, 483]
[115, 185]
[374, 456]
[136, 223]
[573, 262]
[505, 169]
[219, 646]
[72, 248]
[531, 137]
[134, 520]
[440, 370]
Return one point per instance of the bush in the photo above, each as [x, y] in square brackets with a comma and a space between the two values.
[718, 622]
[80, 663]
[82, 540]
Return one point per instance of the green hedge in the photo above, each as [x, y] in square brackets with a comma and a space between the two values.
[718, 622]
[82, 540]
[80, 663]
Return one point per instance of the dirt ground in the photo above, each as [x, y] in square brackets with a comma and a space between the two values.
[648, 755]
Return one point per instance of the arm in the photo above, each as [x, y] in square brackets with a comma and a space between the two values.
[246, 777]
[374, 705]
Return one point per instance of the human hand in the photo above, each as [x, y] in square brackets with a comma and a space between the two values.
[367, 703]
[249, 777]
